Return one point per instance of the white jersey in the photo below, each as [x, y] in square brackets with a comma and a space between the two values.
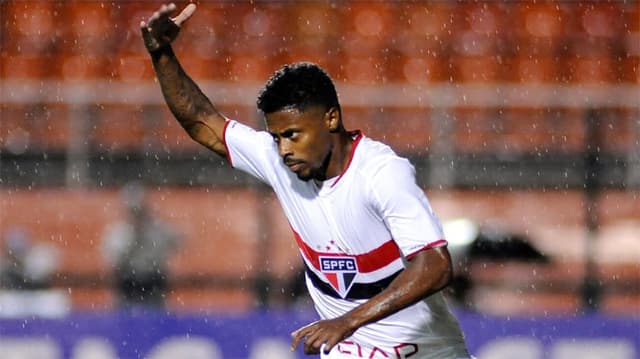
[355, 233]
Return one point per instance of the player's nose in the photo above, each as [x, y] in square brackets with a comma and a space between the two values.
[284, 149]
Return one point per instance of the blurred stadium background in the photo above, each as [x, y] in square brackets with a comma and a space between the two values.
[522, 118]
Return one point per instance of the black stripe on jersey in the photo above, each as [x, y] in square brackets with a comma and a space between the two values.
[357, 291]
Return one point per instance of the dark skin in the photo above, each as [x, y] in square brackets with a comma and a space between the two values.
[313, 144]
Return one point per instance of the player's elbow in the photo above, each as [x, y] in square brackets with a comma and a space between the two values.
[447, 276]
[444, 268]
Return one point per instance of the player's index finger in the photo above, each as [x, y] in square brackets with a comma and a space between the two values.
[185, 14]
[297, 336]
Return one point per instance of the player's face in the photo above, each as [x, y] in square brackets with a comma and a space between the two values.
[303, 139]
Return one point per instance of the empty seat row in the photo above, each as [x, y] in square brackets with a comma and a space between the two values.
[222, 240]
[132, 128]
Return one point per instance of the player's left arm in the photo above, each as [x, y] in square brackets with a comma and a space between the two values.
[409, 216]
[428, 272]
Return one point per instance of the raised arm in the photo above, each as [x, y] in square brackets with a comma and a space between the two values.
[193, 110]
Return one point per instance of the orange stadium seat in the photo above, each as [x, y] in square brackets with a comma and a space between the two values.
[434, 21]
[568, 130]
[117, 127]
[538, 29]
[249, 66]
[532, 69]
[52, 216]
[132, 68]
[367, 27]
[30, 27]
[474, 130]
[477, 69]
[219, 230]
[367, 69]
[24, 67]
[218, 239]
[526, 131]
[322, 51]
[630, 68]
[618, 131]
[407, 130]
[589, 69]
[601, 19]
[34, 127]
[416, 66]
[481, 18]
[162, 130]
[81, 67]
[540, 20]
[315, 20]
[91, 28]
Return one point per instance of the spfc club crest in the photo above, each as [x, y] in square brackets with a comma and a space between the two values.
[340, 272]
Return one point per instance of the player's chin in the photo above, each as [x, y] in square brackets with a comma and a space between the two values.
[304, 175]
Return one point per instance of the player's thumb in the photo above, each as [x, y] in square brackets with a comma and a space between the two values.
[185, 14]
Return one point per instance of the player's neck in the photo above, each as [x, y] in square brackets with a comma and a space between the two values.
[340, 155]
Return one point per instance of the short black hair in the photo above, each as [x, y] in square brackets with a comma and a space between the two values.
[298, 86]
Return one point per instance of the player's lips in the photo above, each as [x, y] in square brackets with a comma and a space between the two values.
[294, 166]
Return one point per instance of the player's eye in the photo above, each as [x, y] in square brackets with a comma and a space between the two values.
[290, 134]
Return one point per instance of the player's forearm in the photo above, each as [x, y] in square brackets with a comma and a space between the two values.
[427, 273]
[187, 102]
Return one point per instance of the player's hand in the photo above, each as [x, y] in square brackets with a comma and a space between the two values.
[323, 334]
[160, 30]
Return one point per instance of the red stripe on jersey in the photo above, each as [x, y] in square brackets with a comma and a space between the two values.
[438, 243]
[367, 262]
[356, 140]
[224, 140]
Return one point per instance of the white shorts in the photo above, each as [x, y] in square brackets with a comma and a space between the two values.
[351, 350]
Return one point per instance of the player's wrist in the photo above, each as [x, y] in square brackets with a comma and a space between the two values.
[161, 51]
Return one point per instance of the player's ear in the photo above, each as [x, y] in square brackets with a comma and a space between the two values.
[333, 119]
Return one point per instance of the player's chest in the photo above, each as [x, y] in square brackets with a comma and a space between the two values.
[341, 221]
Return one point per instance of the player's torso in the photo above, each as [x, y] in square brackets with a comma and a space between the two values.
[345, 244]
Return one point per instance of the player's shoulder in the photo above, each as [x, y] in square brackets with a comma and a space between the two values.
[377, 157]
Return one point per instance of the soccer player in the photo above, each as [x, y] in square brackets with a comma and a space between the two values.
[375, 255]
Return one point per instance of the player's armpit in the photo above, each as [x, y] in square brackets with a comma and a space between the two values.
[208, 133]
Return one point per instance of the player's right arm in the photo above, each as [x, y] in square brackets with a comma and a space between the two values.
[190, 106]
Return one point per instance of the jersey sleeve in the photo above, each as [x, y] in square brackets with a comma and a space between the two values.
[405, 209]
[249, 150]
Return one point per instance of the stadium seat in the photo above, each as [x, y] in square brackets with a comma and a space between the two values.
[416, 69]
[91, 28]
[476, 69]
[533, 69]
[618, 132]
[25, 24]
[475, 130]
[34, 127]
[541, 20]
[24, 67]
[367, 26]
[366, 69]
[118, 128]
[601, 20]
[316, 20]
[407, 130]
[630, 68]
[249, 67]
[81, 67]
[321, 51]
[219, 230]
[591, 70]
[536, 131]
[420, 20]
[162, 131]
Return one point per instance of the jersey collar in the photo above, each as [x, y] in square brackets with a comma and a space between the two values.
[357, 136]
